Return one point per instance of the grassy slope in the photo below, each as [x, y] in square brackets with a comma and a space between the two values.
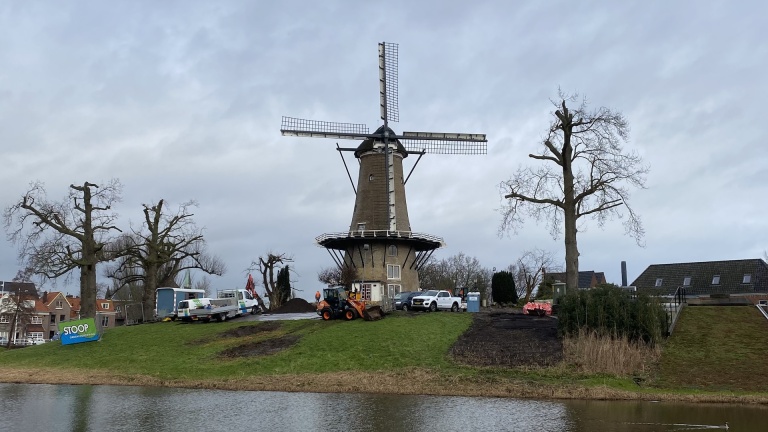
[176, 350]
[381, 354]
[717, 348]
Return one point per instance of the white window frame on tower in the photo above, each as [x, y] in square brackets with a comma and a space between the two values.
[393, 271]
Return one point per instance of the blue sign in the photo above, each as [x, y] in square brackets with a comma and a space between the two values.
[72, 332]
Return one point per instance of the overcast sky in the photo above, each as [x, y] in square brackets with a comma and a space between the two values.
[183, 100]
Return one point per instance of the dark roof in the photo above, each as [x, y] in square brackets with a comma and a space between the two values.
[702, 274]
[367, 144]
[20, 288]
[585, 278]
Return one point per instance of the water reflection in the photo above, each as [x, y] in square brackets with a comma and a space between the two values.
[98, 408]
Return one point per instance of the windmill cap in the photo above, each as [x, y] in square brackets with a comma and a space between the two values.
[367, 145]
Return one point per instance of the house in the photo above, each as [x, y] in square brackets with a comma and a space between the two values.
[747, 276]
[29, 322]
[106, 313]
[587, 279]
[60, 309]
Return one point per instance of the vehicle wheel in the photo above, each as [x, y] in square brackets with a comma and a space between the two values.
[349, 314]
[455, 308]
[219, 318]
[327, 315]
[405, 308]
[254, 310]
[432, 307]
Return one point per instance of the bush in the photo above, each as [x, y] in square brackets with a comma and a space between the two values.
[503, 288]
[612, 311]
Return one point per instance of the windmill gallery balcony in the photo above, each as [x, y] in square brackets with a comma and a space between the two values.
[341, 240]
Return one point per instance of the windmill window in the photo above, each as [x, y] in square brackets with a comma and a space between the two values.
[366, 246]
[393, 271]
[658, 282]
[687, 281]
[370, 178]
[747, 279]
[361, 227]
[716, 280]
[392, 251]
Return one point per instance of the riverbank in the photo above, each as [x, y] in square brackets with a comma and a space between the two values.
[402, 354]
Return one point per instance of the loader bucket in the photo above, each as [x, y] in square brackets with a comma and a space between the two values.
[373, 313]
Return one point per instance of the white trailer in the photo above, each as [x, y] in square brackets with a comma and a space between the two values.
[228, 304]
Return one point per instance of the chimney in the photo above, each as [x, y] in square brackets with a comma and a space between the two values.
[45, 296]
[623, 273]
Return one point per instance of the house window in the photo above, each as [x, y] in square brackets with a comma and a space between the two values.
[119, 309]
[36, 320]
[4, 319]
[361, 227]
[716, 280]
[392, 251]
[105, 321]
[393, 289]
[62, 318]
[105, 305]
[687, 281]
[747, 279]
[393, 271]
[53, 319]
[35, 336]
[59, 304]
[658, 282]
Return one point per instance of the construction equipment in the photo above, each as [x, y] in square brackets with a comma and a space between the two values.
[337, 303]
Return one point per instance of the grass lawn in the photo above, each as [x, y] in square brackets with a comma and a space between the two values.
[174, 350]
[717, 348]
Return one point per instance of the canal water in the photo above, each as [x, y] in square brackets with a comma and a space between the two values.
[37, 407]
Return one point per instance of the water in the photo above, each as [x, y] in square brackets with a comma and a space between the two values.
[112, 408]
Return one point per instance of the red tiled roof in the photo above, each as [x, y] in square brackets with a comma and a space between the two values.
[52, 296]
[99, 305]
[35, 328]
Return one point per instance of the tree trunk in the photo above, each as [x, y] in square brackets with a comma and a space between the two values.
[88, 291]
[569, 204]
[148, 293]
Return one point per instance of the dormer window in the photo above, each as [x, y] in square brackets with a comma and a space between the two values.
[716, 280]
[687, 281]
[105, 305]
[747, 279]
[658, 282]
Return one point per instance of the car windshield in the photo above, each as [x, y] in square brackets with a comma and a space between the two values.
[430, 293]
[398, 296]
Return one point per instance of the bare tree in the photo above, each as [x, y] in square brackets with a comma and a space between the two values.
[456, 272]
[335, 276]
[267, 267]
[529, 269]
[166, 245]
[586, 173]
[58, 237]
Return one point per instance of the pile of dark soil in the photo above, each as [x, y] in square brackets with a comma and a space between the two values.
[509, 339]
[295, 305]
[261, 348]
[247, 330]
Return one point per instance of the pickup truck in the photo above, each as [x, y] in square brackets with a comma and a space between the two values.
[433, 300]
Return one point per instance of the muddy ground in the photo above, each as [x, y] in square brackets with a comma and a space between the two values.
[509, 338]
[295, 305]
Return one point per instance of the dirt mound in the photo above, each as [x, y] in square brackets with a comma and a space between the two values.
[509, 339]
[295, 305]
[261, 348]
[374, 313]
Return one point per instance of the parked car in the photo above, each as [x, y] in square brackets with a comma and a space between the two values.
[403, 300]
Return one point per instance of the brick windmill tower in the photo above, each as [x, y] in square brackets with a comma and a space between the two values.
[380, 246]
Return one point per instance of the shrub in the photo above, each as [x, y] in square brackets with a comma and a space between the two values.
[503, 288]
[612, 311]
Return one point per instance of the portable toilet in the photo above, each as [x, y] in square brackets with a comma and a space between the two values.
[473, 301]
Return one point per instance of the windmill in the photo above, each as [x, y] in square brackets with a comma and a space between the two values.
[380, 246]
